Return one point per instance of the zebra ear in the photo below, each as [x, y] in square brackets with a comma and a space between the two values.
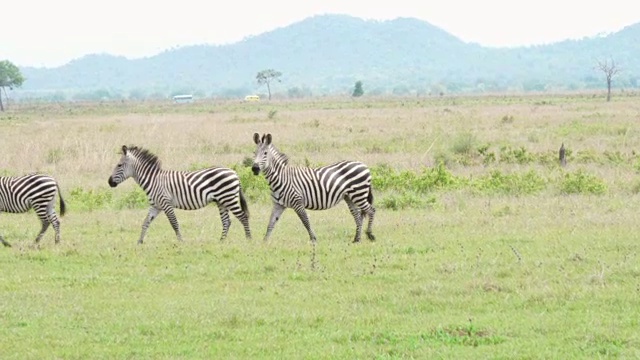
[268, 139]
[124, 149]
[256, 138]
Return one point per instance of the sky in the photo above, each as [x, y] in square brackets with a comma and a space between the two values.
[49, 33]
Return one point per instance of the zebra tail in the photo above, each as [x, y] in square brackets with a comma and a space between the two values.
[243, 203]
[62, 205]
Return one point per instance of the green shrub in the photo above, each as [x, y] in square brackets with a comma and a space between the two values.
[518, 155]
[464, 144]
[614, 157]
[585, 156]
[89, 200]
[580, 182]
[438, 177]
[512, 184]
[134, 199]
[406, 200]
[254, 187]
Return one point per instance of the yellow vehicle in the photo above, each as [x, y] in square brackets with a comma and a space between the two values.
[252, 98]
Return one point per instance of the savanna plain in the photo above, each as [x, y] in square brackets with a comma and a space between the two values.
[485, 246]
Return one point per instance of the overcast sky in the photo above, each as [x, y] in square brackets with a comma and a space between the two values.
[53, 32]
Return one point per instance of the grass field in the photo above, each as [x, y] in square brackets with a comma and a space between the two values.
[486, 248]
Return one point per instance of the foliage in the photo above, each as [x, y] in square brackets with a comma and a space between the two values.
[581, 182]
[266, 77]
[357, 89]
[438, 177]
[511, 184]
[133, 199]
[464, 143]
[403, 200]
[10, 77]
[80, 199]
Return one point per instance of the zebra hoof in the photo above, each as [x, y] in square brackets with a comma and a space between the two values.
[6, 244]
[371, 237]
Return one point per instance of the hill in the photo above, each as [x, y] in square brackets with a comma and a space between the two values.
[327, 54]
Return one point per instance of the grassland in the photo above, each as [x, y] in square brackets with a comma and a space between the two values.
[486, 247]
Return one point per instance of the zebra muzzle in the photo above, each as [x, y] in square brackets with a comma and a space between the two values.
[112, 183]
[256, 169]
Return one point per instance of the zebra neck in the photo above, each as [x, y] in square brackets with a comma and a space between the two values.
[275, 170]
[146, 178]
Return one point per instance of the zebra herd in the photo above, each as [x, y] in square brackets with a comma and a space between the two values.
[299, 188]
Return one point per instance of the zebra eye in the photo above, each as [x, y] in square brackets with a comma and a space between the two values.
[119, 165]
[265, 153]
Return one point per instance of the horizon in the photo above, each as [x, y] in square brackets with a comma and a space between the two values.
[60, 35]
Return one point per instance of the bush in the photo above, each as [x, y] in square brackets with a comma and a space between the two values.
[438, 177]
[513, 184]
[464, 144]
[89, 200]
[515, 155]
[581, 182]
[134, 199]
[405, 200]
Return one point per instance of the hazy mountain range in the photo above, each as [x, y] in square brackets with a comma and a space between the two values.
[327, 54]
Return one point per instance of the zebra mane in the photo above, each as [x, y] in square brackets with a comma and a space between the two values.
[282, 157]
[145, 156]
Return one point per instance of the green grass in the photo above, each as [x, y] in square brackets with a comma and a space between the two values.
[496, 252]
[449, 282]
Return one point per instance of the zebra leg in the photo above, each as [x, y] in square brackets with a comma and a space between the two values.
[302, 214]
[45, 226]
[357, 216]
[174, 221]
[226, 222]
[244, 219]
[44, 220]
[275, 216]
[6, 244]
[371, 212]
[153, 212]
[53, 220]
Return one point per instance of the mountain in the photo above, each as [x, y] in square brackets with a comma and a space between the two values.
[327, 54]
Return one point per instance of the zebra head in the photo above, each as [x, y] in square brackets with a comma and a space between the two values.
[263, 155]
[123, 170]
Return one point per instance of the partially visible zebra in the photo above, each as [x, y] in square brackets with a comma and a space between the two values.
[321, 188]
[35, 191]
[188, 190]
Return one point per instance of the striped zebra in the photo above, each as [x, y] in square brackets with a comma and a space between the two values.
[321, 188]
[188, 190]
[35, 191]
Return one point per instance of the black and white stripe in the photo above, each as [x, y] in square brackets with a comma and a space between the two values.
[188, 190]
[35, 191]
[321, 188]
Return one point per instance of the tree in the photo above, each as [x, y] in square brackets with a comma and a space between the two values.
[10, 77]
[610, 70]
[357, 89]
[266, 77]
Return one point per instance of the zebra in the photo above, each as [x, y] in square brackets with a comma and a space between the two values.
[34, 191]
[321, 188]
[167, 190]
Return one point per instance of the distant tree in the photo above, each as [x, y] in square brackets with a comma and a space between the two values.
[610, 69]
[357, 89]
[10, 77]
[266, 77]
